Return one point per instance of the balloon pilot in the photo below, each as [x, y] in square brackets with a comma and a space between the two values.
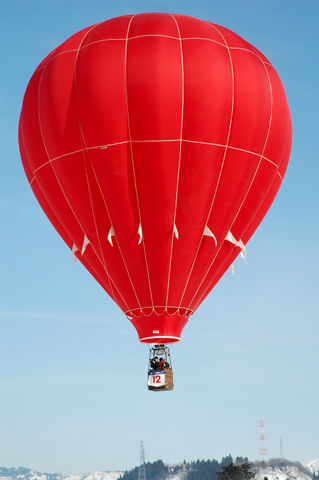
[160, 372]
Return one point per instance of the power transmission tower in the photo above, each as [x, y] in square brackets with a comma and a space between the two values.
[141, 472]
[184, 471]
[262, 445]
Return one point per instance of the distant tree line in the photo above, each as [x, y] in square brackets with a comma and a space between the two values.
[241, 471]
[154, 471]
[227, 469]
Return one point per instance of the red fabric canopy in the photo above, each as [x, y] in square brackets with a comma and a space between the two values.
[147, 139]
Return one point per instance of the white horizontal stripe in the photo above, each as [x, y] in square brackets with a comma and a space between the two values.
[160, 336]
[153, 35]
[151, 141]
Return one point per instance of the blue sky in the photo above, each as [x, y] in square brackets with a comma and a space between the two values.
[72, 374]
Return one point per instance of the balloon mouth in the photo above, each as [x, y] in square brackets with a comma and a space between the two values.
[159, 324]
[160, 311]
[157, 339]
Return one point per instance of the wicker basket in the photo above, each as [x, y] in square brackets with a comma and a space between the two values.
[169, 378]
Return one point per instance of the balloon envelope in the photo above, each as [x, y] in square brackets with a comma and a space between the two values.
[155, 144]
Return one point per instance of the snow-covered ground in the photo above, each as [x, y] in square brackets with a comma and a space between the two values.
[26, 474]
[281, 473]
[99, 475]
[272, 471]
[16, 474]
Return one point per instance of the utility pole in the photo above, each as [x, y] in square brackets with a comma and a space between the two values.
[141, 472]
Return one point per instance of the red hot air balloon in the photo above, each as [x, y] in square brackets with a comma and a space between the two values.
[155, 144]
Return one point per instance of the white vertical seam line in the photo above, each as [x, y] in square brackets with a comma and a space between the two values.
[132, 159]
[277, 172]
[222, 165]
[179, 159]
[118, 243]
[66, 233]
[89, 189]
[84, 159]
[56, 176]
[250, 185]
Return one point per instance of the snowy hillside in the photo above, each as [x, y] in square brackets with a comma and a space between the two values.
[275, 469]
[27, 474]
[286, 472]
[22, 473]
[95, 476]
